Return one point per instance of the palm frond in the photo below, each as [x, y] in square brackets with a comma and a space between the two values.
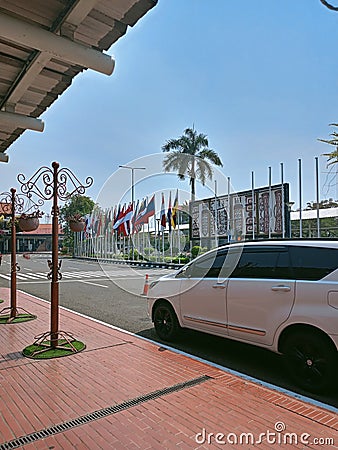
[177, 162]
[189, 157]
[171, 144]
[187, 146]
[330, 141]
[190, 133]
[211, 155]
[332, 156]
[201, 141]
[203, 170]
[172, 161]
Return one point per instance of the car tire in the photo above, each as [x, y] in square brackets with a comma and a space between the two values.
[165, 322]
[310, 360]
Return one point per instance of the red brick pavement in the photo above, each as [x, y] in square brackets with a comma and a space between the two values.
[117, 367]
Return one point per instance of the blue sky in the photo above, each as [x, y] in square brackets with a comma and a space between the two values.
[259, 78]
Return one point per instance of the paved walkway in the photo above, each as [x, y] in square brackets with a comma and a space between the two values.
[123, 392]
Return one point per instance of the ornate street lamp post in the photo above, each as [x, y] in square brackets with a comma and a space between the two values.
[54, 186]
[13, 203]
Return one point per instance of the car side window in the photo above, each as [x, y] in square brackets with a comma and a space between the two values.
[263, 262]
[312, 263]
[208, 266]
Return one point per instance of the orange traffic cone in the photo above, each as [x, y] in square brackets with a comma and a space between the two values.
[146, 286]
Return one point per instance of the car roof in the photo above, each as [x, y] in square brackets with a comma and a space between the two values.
[329, 243]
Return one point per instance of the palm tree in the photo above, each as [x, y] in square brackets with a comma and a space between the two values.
[189, 156]
[333, 156]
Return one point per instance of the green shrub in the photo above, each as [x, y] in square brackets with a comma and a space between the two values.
[180, 260]
[135, 255]
[148, 250]
[195, 251]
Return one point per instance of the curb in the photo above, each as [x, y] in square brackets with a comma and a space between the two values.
[145, 264]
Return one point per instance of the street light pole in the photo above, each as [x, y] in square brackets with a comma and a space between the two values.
[132, 194]
[289, 206]
[132, 180]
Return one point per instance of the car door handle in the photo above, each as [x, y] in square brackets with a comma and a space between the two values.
[281, 288]
[219, 286]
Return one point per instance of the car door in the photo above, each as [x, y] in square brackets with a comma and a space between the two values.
[203, 295]
[260, 293]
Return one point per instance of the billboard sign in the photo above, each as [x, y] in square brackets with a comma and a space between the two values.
[261, 212]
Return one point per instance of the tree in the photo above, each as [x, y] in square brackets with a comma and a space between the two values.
[189, 156]
[323, 204]
[78, 204]
[333, 156]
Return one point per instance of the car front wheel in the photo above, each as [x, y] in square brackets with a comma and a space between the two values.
[165, 322]
[310, 360]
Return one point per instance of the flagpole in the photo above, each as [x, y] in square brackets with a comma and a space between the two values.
[170, 240]
[283, 199]
[300, 197]
[215, 212]
[171, 246]
[178, 232]
[112, 232]
[163, 245]
[156, 252]
[317, 196]
[149, 237]
[253, 210]
[158, 238]
[270, 202]
[143, 240]
[229, 212]
[132, 169]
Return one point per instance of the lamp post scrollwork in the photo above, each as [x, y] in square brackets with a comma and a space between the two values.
[54, 184]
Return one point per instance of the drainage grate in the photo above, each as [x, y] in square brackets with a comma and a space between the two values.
[32, 437]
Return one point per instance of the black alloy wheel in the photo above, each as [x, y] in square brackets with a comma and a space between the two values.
[165, 322]
[310, 360]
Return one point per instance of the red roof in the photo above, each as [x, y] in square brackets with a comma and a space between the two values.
[44, 228]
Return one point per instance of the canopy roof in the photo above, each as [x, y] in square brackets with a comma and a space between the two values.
[45, 44]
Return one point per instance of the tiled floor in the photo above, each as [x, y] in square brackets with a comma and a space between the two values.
[146, 396]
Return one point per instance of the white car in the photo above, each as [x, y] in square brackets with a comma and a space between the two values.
[281, 295]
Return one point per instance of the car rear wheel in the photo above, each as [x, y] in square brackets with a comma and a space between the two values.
[310, 360]
[165, 322]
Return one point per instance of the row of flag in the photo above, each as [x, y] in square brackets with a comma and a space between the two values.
[125, 220]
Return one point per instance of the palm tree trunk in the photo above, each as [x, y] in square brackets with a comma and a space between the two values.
[192, 199]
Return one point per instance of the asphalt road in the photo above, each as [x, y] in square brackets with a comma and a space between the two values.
[111, 293]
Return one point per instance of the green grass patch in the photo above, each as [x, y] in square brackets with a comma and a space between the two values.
[1, 301]
[18, 319]
[44, 351]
